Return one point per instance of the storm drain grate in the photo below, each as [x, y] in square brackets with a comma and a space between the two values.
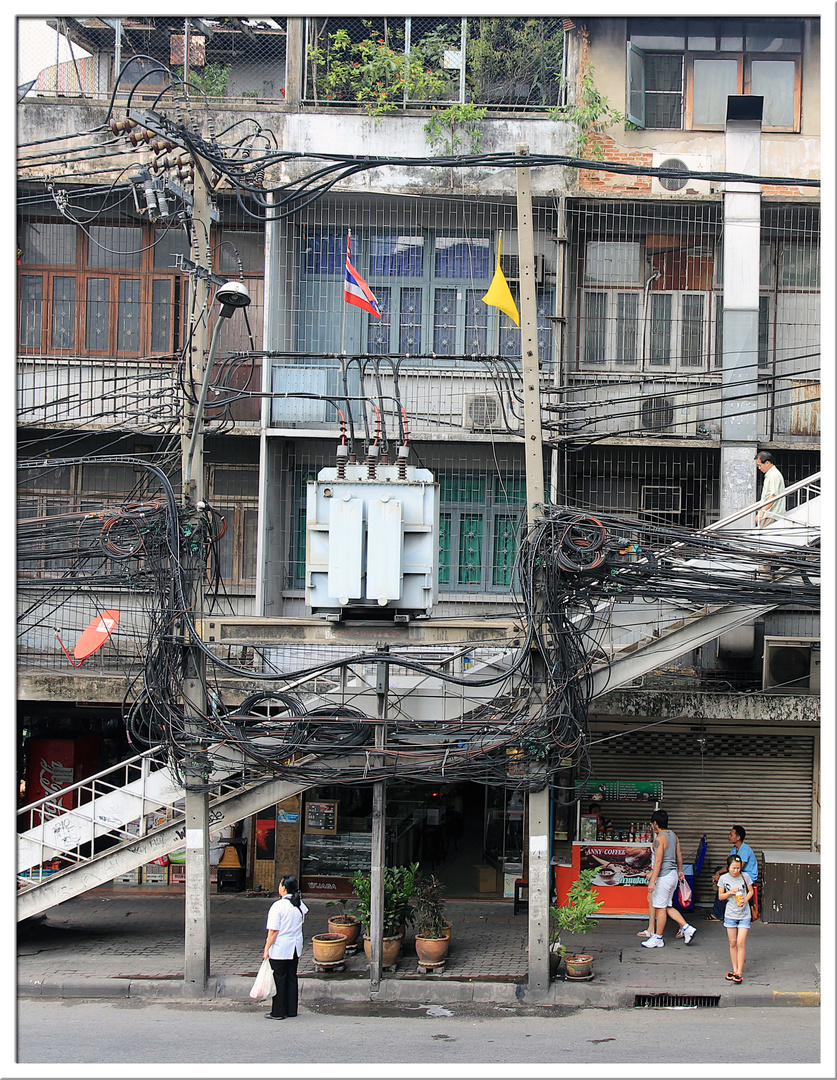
[676, 1001]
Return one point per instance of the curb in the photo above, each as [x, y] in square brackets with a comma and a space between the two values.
[236, 988]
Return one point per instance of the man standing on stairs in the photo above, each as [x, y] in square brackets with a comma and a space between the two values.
[774, 485]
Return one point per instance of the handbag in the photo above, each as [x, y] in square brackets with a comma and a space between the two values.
[684, 891]
[264, 986]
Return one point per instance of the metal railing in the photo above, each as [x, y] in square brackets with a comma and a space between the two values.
[74, 806]
[384, 62]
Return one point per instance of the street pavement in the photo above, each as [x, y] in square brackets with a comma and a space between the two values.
[128, 942]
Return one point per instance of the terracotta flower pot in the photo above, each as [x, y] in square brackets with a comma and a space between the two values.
[346, 927]
[431, 951]
[579, 966]
[391, 947]
[328, 948]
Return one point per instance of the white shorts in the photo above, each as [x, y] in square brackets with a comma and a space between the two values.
[664, 888]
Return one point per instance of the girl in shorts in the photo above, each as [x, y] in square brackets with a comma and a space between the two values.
[736, 888]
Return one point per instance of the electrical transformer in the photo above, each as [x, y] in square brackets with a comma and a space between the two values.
[372, 541]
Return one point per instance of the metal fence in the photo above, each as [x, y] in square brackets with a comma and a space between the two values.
[386, 63]
[378, 63]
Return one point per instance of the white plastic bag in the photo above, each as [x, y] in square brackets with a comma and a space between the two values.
[264, 986]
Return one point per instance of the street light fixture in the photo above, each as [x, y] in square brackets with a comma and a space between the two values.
[231, 295]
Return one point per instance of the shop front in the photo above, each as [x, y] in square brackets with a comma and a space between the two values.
[621, 856]
[469, 835]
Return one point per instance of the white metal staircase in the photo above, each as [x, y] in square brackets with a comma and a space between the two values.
[117, 816]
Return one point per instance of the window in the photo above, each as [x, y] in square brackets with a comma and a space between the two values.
[71, 489]
[645, 305]
[429, 289]
[681, 71]
[234, 493]
[479, 518]
[114, 291]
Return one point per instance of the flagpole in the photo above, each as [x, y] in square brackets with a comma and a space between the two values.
[343, 330]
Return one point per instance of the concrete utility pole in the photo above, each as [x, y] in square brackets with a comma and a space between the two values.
[196, 962]
[379, 827]
[538, 833]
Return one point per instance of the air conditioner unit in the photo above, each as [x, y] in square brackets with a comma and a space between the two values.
[791, 665]
[668, 414]
[685, 185]
[510, 265]
[484, 412]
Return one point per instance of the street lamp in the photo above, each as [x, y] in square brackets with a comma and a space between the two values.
[231, 295]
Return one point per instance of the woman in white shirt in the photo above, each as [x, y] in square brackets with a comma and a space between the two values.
[284, 946]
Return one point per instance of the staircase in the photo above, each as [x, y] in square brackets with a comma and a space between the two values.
[110, 815]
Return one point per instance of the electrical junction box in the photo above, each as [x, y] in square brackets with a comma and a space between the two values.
[372, 542]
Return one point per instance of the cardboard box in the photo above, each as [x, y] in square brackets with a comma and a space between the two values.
[486, 878]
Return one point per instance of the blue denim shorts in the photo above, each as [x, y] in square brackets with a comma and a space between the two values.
[744, 923]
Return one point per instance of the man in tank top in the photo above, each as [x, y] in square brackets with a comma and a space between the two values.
[665, 875]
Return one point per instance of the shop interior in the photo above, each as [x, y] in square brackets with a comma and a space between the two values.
[469, 835]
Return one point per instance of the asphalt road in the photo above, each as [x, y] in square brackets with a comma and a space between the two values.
[193, 1037]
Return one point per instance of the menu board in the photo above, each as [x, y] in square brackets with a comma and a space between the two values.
[618, 864]
[622, 790]
[321, 817]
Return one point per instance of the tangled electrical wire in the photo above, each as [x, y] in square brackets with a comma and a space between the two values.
[575, 567]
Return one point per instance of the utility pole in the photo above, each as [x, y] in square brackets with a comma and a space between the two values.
[379, 825]
[196, 962]
[538, 832]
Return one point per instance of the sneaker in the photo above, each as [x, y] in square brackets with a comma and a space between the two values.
[688, 933]
[654, 942]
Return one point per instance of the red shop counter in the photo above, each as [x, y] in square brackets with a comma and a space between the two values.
[620, 884]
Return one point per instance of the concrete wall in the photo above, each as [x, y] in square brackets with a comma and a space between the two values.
[348, 131]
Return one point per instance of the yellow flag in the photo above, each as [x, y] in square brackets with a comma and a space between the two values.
[499, 294]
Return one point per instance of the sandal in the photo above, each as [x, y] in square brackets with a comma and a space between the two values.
[645, 934]
[680, 932]
[710, 918]
[730, 976]
[737, 978]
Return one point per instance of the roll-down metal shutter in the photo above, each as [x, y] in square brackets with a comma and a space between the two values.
[763, 781]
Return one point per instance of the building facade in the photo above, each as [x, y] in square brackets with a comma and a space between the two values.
[630, 295]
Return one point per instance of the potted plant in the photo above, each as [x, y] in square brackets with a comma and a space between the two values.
[432, 928]
[328, 948]
[346, 923]
[399, 886]
[575, 917]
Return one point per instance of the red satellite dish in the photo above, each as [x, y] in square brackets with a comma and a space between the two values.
[93, 637]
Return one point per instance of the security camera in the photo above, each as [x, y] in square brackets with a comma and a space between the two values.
[233, 294]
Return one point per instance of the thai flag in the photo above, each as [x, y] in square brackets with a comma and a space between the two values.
[355, 289]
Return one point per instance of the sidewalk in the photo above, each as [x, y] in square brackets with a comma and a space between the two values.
[128, 942]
